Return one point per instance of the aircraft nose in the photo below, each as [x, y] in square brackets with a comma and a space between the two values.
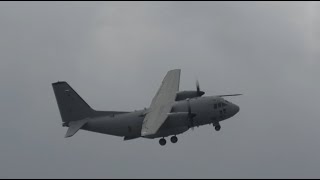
[236, 109]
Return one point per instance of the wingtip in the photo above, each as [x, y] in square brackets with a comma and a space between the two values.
[175, 70]
[145, 133]
[59, 82]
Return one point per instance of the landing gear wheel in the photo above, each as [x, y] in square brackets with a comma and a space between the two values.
[162, 142]
[174, 139]
[217, 128]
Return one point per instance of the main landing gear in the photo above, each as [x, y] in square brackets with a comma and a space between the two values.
[163, 141]
[174, 139]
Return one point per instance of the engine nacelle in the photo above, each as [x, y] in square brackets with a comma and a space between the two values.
[178, 119]
[182, 95]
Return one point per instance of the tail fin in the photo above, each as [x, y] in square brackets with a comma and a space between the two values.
[71, 106]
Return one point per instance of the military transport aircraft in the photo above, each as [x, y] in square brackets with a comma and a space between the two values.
[171, 112]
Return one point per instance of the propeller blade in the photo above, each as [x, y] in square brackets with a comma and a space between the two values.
[199, 92]
[230, 95]
[190, 115]
[198, 86]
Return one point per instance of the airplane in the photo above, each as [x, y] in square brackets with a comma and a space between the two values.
[171, 112]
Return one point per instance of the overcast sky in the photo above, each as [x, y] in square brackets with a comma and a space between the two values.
[115, 55]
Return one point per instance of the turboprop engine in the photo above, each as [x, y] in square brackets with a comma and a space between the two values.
[182, 95]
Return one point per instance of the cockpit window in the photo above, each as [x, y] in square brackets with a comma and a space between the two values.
[219, 105]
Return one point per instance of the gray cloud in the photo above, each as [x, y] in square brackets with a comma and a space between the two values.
[115, 55]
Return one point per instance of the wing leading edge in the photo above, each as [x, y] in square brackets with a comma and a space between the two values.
[162, 103]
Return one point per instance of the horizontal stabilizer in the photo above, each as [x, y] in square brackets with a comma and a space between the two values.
[74, 127]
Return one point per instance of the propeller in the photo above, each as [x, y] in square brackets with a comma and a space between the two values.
[199, 92]
[229, 95]
[190, 115]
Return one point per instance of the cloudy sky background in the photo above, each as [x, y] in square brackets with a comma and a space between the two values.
[115, 54]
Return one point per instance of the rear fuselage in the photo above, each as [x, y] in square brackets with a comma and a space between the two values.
[207, 109]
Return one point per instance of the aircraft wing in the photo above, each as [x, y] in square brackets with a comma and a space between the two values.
[162, 103]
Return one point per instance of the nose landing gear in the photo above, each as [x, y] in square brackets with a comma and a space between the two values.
[217, 128]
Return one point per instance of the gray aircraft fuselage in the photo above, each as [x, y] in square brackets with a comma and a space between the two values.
[207, 110]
